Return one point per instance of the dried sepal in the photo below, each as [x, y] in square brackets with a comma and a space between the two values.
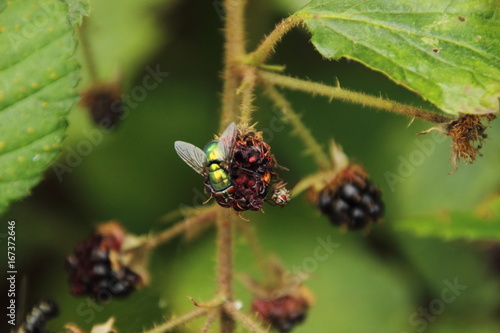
[467, 134]
[107, 327]
[317, 181]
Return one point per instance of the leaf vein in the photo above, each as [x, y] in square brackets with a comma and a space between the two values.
[34, 53]
[382, 55]
[36, 92]
[337, 17]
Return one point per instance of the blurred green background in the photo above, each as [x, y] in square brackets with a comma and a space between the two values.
[370, 283]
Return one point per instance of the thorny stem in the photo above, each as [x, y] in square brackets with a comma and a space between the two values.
[266, 47]
[225, 264]
[321, 158]
[211, 317]
[245, 320]
[248, 231]
[213, 303]
[247, 95]
[234, 51]
[201, 218]
[87, 50]
[350, 96]
[176, 322]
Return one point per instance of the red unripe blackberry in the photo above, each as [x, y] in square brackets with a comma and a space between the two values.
[351, 199]
[96, 270]
[36, 319]
[251, 171]
[282, 313]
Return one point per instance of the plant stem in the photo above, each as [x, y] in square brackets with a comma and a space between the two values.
[266, 47]
[201, 218]
[313, 147]
[211, 317]
[88, 55]
[247, 87]
[176, 322]
[225, 264]
[350, 96]
[245, 320]
[263, 263]
[234, 51]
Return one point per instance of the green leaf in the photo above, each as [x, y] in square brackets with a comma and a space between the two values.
[483, 224]
[447, 50]
[38, 76]
[76, 10]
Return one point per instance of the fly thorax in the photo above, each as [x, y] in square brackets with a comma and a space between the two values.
[213, 152]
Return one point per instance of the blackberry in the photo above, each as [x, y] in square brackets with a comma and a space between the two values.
[36, 319]
[104, 103]
[251, 171]
[281, 313]
[351, 199]
[96, 270]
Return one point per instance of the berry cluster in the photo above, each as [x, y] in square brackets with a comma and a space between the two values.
[36, 319]
[351, 199]
[251, 171]
[95, 269]
[281, 313]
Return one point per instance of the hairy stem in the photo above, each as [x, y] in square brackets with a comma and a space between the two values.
[173, 323]
[351, 96]
[245, 320]
[313, 147]
[266, 47]
[86, 47]
[234, 51]
[211, 317]
[247, 91]
[200, 218]
[248, 231]
[225, 264]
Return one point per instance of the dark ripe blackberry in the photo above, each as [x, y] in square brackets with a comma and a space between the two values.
[351, 199]
[104, 103]
[95, 269]
[36, 319]
[282, 313]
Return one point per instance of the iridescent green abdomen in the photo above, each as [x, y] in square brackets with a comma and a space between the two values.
[218, 177]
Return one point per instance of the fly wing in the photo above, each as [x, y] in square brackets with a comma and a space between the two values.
[192, 155]
[227, 141]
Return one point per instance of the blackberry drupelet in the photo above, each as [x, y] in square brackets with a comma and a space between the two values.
[36, 319]
[351, 199]
[281, 313]
[95, 269]
[251, 171]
